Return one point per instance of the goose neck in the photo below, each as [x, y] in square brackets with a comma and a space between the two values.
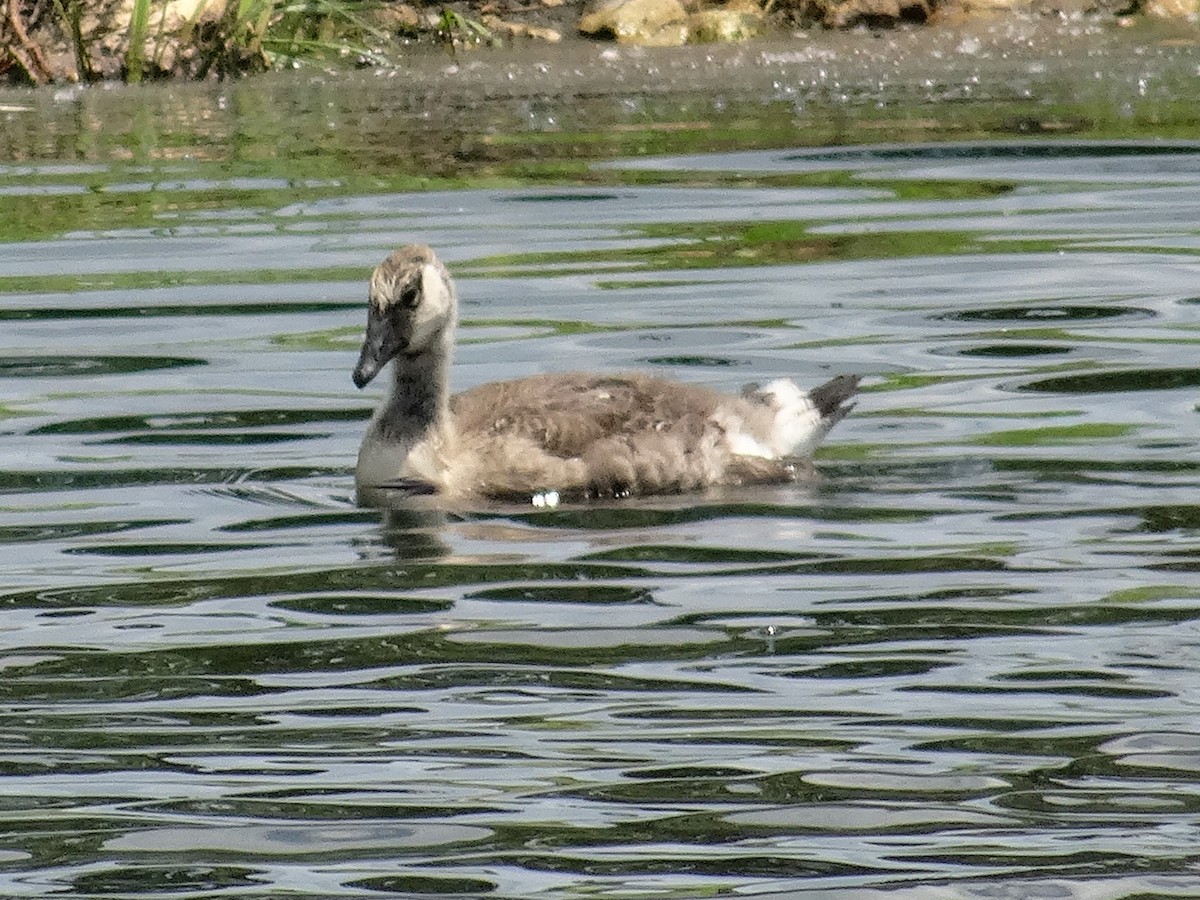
[420, 394]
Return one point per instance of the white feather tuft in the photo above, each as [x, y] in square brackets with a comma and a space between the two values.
[798, 427]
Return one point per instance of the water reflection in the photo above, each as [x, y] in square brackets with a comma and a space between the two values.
[1119, 381]
[86, 367]
[960, 659]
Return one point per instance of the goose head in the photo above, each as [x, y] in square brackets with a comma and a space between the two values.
[411, 310]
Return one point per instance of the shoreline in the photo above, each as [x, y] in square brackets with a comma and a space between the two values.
[405, 38]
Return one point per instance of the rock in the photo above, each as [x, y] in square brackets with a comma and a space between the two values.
[1172, 9]
[172, 17]
[971, 7]
[398, 18]
[648, 22]
[728, 24]
[848, 13]
[668, 23]
[169, 32]
[520, 29]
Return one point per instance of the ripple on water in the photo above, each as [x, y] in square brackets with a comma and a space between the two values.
[300, 839]
[1120, 381]
[88, 366]
[1008, 350]
[961, 659]
[1056, 313]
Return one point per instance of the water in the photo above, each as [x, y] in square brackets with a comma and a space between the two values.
[962, 664]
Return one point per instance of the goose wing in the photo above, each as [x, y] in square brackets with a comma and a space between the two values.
[567, 415]
[601, 435]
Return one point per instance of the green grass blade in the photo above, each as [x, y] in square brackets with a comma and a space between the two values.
[135, 56]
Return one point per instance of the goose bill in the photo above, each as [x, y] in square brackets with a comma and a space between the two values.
[379, 346]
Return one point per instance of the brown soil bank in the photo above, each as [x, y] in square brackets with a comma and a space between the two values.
[44, 41]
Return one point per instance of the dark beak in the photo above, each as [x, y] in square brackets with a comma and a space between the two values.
[379, 346]
[368, 367]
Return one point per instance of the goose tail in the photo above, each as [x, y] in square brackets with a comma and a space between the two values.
[831, 398]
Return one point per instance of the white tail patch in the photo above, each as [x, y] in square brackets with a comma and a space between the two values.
[798, 426]
[787, 423]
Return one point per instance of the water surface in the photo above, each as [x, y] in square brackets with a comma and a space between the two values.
[961, 664]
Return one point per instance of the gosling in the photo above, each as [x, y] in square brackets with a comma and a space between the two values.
[580, 435]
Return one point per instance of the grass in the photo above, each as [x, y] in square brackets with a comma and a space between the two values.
[71, 14]
[243, 36]
[454, 29]
[135, 55]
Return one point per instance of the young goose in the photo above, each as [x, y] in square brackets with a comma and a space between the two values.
[576, 435]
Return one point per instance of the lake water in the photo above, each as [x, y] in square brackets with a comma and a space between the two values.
[965, 663]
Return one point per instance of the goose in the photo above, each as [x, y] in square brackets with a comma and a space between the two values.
[578, 435]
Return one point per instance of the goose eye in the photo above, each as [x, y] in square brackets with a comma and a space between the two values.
[410, 296]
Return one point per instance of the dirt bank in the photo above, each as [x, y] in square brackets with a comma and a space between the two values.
[44, 41]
